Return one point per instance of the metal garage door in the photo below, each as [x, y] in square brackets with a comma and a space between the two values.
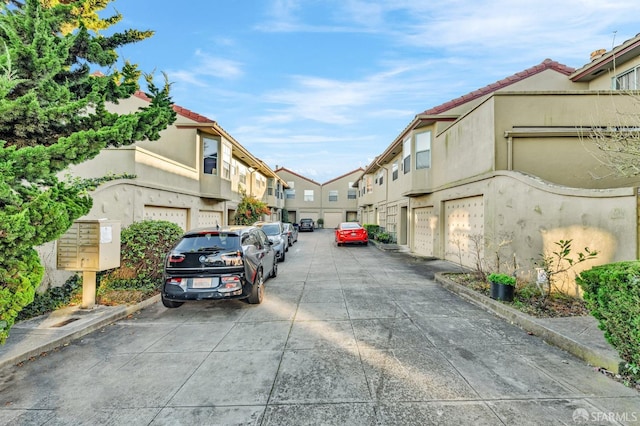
[331, 220]
[170, 214]
[464, 222]
[209, 218]
[425, 226]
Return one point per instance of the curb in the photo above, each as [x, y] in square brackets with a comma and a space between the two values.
[530, 324]
[113, 314]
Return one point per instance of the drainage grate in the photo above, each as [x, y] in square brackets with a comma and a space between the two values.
[65, 322]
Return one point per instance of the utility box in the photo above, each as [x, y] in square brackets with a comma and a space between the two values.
[90, 245]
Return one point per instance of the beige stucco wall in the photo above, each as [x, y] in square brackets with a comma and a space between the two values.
[535, 214]
[570, 161]
[301, 208]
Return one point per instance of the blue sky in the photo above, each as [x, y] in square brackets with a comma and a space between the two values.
[323, 86]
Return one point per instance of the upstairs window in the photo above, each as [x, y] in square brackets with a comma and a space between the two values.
[629, 80]
[406, 154]
[290, 194]
[394, 170]
[351, 192]
[333, 195]
[308, 195]
[423, 150]
[210, 154]
[226, 161]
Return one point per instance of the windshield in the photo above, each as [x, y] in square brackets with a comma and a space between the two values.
[271, 229]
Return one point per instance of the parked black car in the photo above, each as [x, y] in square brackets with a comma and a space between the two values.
[218, 263]
[306, 225]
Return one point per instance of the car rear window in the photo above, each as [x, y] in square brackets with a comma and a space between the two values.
[271, 229]
[204, 242]
[350, 226]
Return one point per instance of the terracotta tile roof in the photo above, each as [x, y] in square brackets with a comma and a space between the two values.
[547, 64]
[179, 110]
[359, 169]
[284, 169]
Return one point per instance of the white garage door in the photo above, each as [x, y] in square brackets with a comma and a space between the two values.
[331, 220]
[170, 214]
[209, 218]
[464, 223]
[425, 226]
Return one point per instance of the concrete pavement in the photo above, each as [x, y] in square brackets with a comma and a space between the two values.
[348, 335]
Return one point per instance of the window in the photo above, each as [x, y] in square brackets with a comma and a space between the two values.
[423, 150]
[380, 177]
[369, 185]
[394, 170]
[333, 195]
[210, 155]
[406, 154]
[351, 192]
[290, 194]
[242, 172]
[308, 195]
[629, 80]
[226, 161]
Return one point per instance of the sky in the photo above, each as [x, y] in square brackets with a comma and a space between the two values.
[322, 87]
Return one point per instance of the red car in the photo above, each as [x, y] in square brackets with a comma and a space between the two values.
[351, 232]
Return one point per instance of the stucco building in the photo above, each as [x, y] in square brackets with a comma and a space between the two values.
[514, 161]
[334, 201]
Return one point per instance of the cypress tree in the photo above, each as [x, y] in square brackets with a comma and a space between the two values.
[53, 114]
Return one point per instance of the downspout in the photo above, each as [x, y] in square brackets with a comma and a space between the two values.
[510, 153]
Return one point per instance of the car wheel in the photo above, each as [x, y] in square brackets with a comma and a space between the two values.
[170, 303]
[257, 290]
[274, 270]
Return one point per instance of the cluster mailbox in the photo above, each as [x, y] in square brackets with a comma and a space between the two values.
[89, 246]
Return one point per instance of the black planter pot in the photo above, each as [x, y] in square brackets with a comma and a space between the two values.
[502, 292]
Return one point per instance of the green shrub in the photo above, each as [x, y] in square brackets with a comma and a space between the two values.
[52, 299]
[372, 230]
[383, 237]
[143, 248]
[612, 294]
[502, 279]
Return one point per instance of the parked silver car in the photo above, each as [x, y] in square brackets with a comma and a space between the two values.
[277, 235]
[292, 233]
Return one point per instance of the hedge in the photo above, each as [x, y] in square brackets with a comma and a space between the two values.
[612, 294]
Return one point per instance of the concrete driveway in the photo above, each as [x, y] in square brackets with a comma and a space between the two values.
[346, 336]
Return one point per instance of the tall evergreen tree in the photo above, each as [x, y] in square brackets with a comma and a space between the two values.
[53, 114]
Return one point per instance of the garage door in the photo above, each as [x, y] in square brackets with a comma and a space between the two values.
[170, 214]
[425, 226]
[464, 223]
[331, 220]
[209, 218]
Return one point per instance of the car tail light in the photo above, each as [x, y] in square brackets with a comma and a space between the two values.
[230, 283]
[176, 258]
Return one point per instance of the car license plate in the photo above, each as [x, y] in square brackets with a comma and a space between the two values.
[202, 283]
[353, 234]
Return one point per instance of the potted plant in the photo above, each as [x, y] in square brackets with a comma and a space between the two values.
[320, 223]
[502, 286]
